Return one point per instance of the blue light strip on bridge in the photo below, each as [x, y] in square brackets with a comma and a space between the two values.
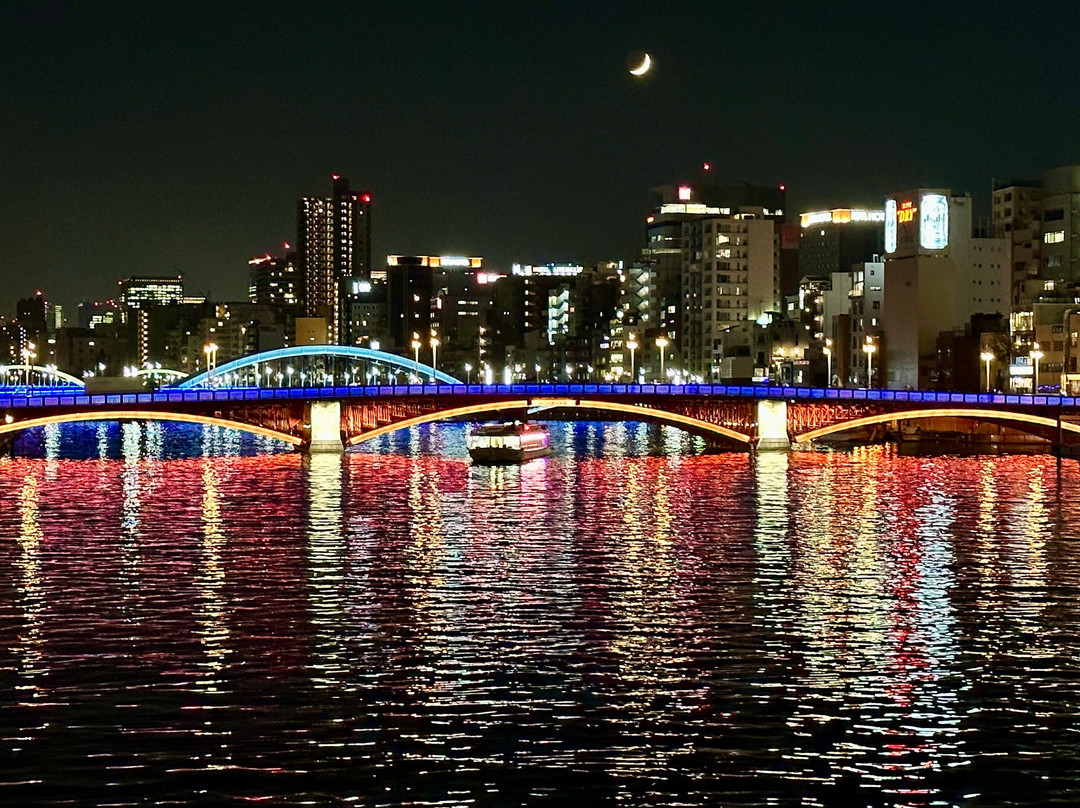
[64, 397]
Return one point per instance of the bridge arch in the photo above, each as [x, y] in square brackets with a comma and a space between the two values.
[148, 415]
[652, 414]
[944, 412]
[349, 352]
[40, 370]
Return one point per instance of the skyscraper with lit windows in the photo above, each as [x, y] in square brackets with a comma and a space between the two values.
[333, 250]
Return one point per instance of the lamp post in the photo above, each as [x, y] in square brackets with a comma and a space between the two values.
[434, 355]
[869, 348]
[987, 357]
[416, 354]
[662, 343]
[1068, 333]
[828, 362]
[631, 344]
[210, 349]
[28, 356]
[1036, 355]
[468, 373]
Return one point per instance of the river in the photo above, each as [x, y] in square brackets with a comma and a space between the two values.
[191, 618]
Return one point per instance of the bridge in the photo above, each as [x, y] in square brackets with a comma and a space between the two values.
[735, 417]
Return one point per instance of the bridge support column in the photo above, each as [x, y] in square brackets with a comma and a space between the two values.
[772, 431]
[325, 420]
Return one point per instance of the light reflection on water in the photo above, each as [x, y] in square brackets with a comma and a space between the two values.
[624, 622]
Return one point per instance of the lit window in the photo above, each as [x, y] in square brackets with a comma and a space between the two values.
[1054, 237]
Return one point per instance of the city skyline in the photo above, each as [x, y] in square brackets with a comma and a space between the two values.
[178, 140]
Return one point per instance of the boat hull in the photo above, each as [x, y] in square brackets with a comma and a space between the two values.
[492, 455]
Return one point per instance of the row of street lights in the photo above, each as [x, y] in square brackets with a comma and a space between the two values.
[632, 345]
[869, 348]
[1035, 354]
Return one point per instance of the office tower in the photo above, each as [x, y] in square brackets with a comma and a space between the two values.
[141, 292]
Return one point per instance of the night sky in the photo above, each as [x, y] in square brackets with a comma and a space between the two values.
[175, 137]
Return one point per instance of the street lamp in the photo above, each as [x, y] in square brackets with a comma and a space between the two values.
[662, 343]
[1036, 355]
[869, 348]
[28, 356]
[631, 344]
[828, 362]
[434, 354]
[987, 357]
[468, 373]
[416, 353]
[210, 349]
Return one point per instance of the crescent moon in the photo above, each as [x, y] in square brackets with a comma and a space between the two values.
[642, 68]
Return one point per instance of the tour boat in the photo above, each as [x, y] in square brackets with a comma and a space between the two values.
[508, 443]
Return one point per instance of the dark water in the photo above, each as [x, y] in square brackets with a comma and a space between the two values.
[624, 624]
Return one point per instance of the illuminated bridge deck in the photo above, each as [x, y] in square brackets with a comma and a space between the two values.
[65, 397]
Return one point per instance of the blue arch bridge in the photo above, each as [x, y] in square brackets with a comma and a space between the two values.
[335, 397]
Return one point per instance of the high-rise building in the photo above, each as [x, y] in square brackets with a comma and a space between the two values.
[333, 250]
[730, 279]
[835, 240]
[462, 297]
[143, 291]
[1061, 224]
[31, 314]
[409, 287]
[274, 280]
[674, 206]
[937, 276]
[1017, 218]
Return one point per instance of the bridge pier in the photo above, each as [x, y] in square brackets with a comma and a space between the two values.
[325, 435]
[772, 428]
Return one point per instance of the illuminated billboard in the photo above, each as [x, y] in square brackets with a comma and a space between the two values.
[890, 225]
[917, 221]
[934, 222]
[840, 216]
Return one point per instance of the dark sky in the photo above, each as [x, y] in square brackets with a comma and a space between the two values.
[165, 137]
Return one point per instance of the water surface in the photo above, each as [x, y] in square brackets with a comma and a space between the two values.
[626, 623]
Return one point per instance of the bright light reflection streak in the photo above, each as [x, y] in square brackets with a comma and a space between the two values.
[210, 582]
[326, 569]
[147, 415]
[130, 554]
[31, 591]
